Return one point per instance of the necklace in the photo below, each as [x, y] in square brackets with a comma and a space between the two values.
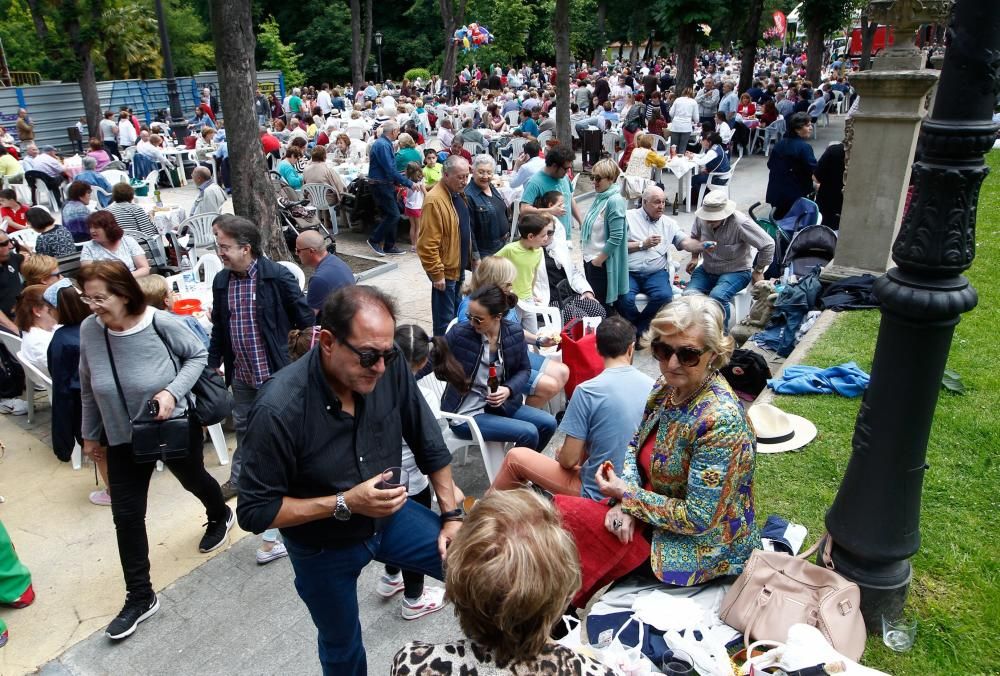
[694, 393]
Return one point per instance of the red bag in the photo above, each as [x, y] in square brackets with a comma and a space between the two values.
[579, 353]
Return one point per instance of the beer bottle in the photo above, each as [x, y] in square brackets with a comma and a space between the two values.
[677, 203]
[492, 382]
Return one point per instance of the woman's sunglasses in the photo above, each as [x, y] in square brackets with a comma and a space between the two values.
[368, 358]
[687, 356]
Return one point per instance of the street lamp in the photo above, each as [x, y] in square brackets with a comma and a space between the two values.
[178, 124]
[378, 43]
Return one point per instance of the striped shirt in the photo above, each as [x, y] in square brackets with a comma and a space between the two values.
[249, 353]
[128, 216]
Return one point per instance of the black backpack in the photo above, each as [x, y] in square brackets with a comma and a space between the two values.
[11, 375]
[747, 372]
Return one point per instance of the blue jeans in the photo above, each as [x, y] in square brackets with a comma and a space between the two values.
[656, 286]
[720, 288]
[528, 426]
[384, 233]
[243, 396]
[327, 581]
[444, 305]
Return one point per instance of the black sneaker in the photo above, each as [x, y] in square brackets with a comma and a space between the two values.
[395, 252]
[376, 249]
[229, 491]
[130, 616]
[217, 532]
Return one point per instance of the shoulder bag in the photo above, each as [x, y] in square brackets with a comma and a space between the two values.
[153, 440]
[212, 401]
[776, 591]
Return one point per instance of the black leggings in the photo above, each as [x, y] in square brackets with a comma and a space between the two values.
[129, 485]
[413, 583]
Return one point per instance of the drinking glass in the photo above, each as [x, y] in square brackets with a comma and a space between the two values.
[678, 663]
[898, 634]
[394, 477]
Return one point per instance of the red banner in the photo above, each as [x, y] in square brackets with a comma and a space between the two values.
[780, 23]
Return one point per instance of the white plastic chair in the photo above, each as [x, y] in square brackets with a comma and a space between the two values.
[550, 316]
[660, 144]
[511, 118]
[27, 237]
[115, 176]
[358, 150]
[207, 267]
[493, 452]
[318, 194]
[300, 276]
[33, 376]
[355, 133]
[717, 180]
[200, 227]
[544, 137]
[474, 148]
[773, 133]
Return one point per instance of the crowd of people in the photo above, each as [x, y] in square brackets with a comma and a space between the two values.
[654, 477]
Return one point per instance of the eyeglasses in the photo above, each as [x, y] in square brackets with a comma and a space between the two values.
[95, 300]
[686, 356]
[224, 248]
[6, 242]
[368, 358]
[478, 321]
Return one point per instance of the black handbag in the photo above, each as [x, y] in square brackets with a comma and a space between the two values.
[212, 401]
[154, 440]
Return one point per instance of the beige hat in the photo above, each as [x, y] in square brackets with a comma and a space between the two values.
[778, 431]
[715, 207]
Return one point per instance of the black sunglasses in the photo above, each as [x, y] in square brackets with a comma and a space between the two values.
[368, 358]
[687, 356]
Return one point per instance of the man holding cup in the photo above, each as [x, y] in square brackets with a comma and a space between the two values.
[320, 436]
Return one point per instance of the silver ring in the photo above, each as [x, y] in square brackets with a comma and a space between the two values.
[616, 524]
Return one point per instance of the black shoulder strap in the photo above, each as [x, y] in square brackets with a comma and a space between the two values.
[114, 369]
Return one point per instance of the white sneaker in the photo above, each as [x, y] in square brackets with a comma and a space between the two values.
[389, 585]
[13, 406]
[278, 551]
[101, 498]
[431, 601]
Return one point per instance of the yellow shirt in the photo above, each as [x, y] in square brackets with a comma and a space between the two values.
[9, 166]
[432, 174]
[526, 262]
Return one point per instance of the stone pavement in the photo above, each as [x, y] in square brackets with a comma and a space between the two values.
[219, 614]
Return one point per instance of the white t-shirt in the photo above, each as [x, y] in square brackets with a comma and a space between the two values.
[414, 199]
[126, 252]
[35, 347]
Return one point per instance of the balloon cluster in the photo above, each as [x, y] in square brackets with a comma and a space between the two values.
[472, 36]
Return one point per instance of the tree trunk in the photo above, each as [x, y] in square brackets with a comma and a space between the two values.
[367, 53]
[750, 38]
[357, 65]
[686, 47]
[561, 25]
[451, 19]
[814, 53]
[602, 38]
[253, 196]
[868, 29]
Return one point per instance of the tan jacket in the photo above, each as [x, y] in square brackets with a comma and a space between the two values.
[440, 242]
[25, 131]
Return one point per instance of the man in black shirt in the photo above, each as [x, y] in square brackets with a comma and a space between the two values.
[10, 288]
[319, 436]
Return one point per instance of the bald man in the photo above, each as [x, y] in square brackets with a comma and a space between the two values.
[330, 273]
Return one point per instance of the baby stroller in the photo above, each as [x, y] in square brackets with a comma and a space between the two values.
[811, 246]
[357, 205]
[297, 215]
[804, 213]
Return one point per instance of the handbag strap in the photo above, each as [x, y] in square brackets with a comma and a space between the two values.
[114, 369]
[827, 542]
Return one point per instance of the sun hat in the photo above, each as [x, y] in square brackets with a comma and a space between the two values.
[777, 431]
[716, 207]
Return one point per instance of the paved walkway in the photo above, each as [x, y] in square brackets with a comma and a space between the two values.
[219, 614]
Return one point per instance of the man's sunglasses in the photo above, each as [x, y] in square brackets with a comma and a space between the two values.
[687, 356]
[368, 358]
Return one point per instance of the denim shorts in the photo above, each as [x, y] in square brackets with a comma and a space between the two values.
[537, 362]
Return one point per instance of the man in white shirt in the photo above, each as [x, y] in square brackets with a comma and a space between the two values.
[295, 130]
[650, 235]
[618, 93]
[323, 99]
[527, 164]
[126, 132]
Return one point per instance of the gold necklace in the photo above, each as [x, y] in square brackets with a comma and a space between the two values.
[694, 393]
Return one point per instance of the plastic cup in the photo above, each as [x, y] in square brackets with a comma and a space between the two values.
[899, 634]
[678, 663]
[394, 477]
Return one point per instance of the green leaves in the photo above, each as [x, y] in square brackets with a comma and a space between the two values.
[279, 55]
[952, 382]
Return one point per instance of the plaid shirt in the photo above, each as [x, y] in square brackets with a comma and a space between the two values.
[250, 357]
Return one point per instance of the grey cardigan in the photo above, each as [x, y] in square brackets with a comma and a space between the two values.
[144, 368]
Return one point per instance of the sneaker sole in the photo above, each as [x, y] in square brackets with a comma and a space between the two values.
[417, 614]
[385, 593]
[225, 538]
[131, 630]
[261, 561]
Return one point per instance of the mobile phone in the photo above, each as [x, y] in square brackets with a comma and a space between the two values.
[153, 407]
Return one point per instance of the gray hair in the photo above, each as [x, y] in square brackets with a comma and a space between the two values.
[652, 188]
[89, 163]
[452, 163]
[389, 127]
[204, 172]
[483, 158]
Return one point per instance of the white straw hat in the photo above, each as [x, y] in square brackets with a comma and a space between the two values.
[716, 207]
[778, 431]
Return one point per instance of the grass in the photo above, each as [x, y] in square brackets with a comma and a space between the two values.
[955, 592]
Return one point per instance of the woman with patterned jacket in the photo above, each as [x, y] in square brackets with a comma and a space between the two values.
[684, 506]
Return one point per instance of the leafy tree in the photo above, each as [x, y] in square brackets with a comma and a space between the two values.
[20, 41]
[821, 17]
[322, 42]
[686, 15]
[129, 41]
[279, 55]
[190, 44]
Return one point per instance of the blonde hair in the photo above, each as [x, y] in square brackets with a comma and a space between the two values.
[405, 141]
[154, 289]
[606, 168]
[37, 268]
[491, 271]
[511, 571]
[644, 141]
[700, 313]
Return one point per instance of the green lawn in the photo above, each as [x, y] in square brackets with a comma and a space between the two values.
[956, 587]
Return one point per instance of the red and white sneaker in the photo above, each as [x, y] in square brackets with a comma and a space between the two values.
[389, 585]
[25, 599]
[431, 601]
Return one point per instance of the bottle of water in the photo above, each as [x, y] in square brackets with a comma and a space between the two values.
[187, 274]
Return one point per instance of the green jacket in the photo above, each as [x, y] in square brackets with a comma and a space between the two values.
[616, 248]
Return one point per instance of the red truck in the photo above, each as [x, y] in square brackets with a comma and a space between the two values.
[878, 42]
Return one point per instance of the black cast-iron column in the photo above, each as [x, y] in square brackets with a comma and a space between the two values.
[875, 518]
[178, 125]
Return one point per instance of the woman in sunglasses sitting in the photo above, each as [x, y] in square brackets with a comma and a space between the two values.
[486, 340]
[683, 509]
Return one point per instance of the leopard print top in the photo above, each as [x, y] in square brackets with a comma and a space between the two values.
[465, 658]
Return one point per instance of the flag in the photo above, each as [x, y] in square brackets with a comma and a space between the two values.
[780, 23]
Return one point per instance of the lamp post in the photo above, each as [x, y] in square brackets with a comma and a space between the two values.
[378, 43]
[875, 518]
[178, 125]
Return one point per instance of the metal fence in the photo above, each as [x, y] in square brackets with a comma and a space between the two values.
[54, 108]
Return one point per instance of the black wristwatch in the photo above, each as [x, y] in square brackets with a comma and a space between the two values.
[457, 514]
[341, 512]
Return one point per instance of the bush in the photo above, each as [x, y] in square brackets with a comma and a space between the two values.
[414, 73]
